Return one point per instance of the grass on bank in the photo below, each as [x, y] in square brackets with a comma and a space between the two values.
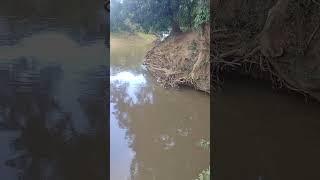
[120, 39]
[133, 36]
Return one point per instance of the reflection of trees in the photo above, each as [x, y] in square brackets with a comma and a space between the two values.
[119, 57]
[86, 18]
[94, 98]
[49, 147]
[161, 133]
[70, 10]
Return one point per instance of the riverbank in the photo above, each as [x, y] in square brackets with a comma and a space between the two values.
[182, 60]
[271, 46]
[118, 40]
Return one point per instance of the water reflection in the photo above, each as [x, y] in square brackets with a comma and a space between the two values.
[53, 90]
[132, 85]
[277, 139]
[19, 19]
[154, 131]
[47, 138]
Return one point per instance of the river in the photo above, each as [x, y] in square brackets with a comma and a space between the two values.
[264, 134]
[154, 131]
[54, 102]
[53, 84]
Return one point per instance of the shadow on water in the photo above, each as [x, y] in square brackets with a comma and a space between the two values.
[46, 144]
[83, 20]
[53, 90]
[263, 134]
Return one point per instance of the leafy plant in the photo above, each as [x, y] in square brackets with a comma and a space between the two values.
[205, 174]
[202, 14]
[204, 144]
[158, 15]
[193, 47]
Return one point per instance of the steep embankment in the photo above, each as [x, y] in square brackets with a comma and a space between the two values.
[276, 40]
[182, 60]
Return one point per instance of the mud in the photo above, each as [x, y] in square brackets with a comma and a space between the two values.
[182, 60]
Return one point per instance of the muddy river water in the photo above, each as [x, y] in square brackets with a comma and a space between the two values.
[154, 131]
[262, 134]
[53, 84]
[54, 102]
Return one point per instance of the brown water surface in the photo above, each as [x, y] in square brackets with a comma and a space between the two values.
[261, 134]
[53, 84]
[154, 131]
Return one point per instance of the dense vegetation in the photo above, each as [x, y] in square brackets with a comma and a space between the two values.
[153, 16]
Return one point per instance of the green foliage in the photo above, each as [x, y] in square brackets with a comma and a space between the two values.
[157, 15]
[193, 48]
[202, 14]
[117, 17]
[186, 13]
[204, 144]
[152, 15]
[205, 174]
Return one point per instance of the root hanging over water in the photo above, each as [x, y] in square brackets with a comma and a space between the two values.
[281, 44]
[182, 60]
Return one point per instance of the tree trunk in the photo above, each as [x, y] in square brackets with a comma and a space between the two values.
[189, 15]
[175, 28]
[175, 6]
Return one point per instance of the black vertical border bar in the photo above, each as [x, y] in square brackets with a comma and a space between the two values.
[106, 4]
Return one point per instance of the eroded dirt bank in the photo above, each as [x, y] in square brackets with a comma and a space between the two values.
[182, 60]
[277, 40]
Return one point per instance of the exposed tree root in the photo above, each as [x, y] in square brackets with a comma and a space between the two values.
[182, 60]
[281, 49]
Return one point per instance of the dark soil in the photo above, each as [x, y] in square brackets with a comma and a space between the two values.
[277, 40]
